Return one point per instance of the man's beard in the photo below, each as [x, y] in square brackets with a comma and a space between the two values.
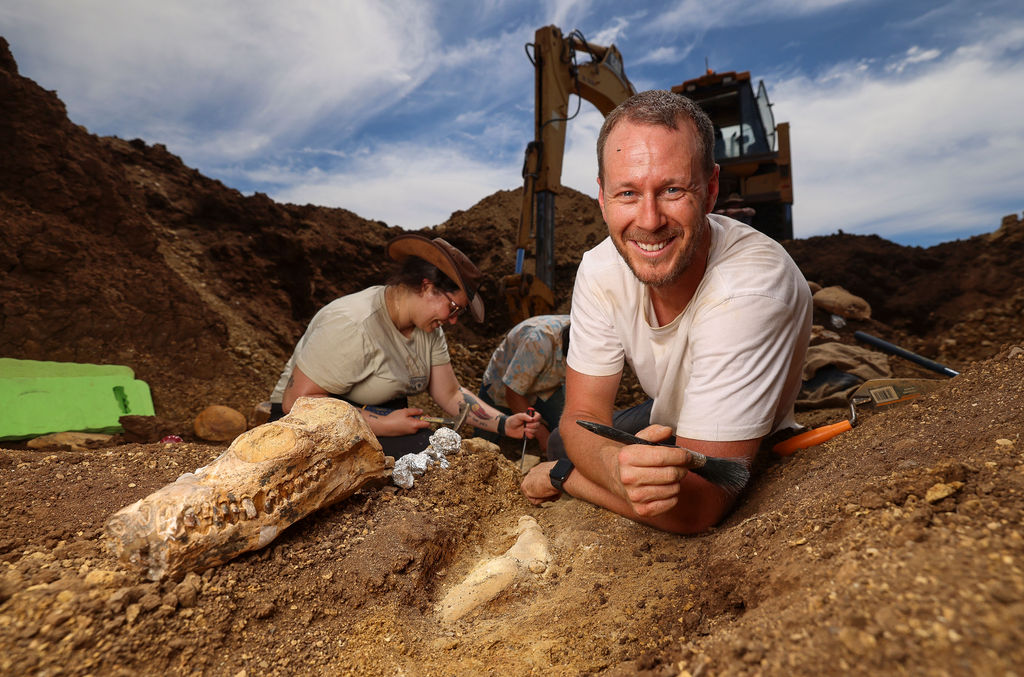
[670, 276]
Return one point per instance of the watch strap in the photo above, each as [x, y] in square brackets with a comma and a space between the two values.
[560, 472]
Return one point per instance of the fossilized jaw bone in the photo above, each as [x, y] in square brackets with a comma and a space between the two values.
[266, 480]
[490, 577]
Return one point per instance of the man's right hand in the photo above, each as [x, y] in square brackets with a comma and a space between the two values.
[536, 485]
[651, 477]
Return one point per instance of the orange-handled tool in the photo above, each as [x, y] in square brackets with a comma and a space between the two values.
[817, 435]
[875, 394]
[811, 438]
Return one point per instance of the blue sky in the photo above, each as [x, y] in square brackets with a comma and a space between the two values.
[906, 117]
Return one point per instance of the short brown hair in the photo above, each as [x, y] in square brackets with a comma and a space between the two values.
[666, 109]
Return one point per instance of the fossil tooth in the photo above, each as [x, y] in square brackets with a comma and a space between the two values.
[190, 518]
[250, 508]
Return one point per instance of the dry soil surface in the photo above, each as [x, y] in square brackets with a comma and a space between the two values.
[894, 548]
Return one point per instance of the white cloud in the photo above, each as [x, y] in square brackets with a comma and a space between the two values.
[699, 15]
[579, 165]
[662, 55]
[564, 12]
[611, 34]
[913, 56]
[246, 76]
[937, 151]
[403, 185]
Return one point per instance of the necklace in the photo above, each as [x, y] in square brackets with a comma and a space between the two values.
[394, 307]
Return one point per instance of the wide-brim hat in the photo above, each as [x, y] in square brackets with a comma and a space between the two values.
[448, 259]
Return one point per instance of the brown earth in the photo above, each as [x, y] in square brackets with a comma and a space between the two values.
[894, 548]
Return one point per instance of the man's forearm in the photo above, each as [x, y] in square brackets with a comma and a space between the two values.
[596, 479]
[593, 457]
[691, 515]
[580, 486]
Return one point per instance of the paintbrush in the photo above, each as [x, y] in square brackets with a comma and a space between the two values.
[731, 474]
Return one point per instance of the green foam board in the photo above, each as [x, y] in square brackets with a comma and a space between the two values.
[38, 398]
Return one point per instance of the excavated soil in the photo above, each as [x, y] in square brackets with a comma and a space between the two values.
[894, 548]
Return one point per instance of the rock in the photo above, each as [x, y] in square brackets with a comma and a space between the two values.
[260, 414]
[145, 429]
[941, 490]
[840, 302]
[187, 592]
[218, 423]
[100, 578]
[819, 334]
[70, 440]
[150, 601]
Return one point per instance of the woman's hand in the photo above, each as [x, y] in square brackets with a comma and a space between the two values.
[397, 423]
[518, 426]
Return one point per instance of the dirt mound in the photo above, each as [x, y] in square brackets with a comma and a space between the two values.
[895, 547]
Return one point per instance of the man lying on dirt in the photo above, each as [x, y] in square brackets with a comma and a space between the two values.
[713, 316]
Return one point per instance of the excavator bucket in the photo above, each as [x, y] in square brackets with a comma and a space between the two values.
[526, 296]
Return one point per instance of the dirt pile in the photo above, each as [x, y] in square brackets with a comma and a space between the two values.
[896, 547]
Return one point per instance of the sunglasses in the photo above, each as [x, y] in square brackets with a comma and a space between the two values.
[454, 309]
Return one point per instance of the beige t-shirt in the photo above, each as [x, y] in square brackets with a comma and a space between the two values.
[352, 348]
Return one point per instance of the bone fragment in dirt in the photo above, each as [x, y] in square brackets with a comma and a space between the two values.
[490, 577]
[269, 478]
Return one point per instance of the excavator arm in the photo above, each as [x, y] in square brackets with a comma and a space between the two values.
[557, 75]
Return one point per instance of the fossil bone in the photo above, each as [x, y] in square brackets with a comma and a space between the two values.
[269, 478]
[490, 577]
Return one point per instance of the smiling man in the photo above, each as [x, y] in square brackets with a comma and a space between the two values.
[713, 316]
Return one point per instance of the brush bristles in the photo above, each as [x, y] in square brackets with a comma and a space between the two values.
[729, 473]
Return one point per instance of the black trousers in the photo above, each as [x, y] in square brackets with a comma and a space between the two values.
[395, 447]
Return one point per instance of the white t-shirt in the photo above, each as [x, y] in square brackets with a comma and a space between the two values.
[352, 348]
[729, 366]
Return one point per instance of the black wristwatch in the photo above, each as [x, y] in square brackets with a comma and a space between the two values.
[560, 472]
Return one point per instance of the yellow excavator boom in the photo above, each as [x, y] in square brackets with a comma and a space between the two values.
[557, 75]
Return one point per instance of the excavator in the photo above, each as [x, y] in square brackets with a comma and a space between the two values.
[752, 150]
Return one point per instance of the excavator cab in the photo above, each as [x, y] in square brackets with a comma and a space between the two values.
[752, 151]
